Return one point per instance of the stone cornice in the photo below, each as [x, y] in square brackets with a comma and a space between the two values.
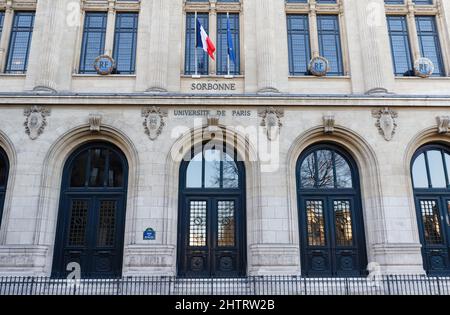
[320, 101]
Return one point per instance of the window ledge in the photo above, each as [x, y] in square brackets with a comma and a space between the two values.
[18, 75]
[418, 78]
[186, 76]
[80, 75]
[312, 77]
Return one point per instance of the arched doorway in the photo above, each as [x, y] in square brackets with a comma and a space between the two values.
[4, 171]
[431, 181]
[330, 216]
[211, 238]
[91, 218]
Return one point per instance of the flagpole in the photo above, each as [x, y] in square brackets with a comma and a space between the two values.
[195, 45]
[228, 54]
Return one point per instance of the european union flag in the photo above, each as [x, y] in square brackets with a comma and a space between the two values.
[230, 42]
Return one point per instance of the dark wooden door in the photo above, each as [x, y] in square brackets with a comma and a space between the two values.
[211, 237]
[332, 242]
[93, 235]
[433, 218]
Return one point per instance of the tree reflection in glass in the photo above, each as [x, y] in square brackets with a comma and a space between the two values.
[217, 169]
[325, 169]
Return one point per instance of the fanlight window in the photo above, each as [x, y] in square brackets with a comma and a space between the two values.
[3, 170]
[325, 169]
[214, 169]
[431, 169]
[97, 167]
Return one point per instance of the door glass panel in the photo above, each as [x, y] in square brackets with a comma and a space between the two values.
[315, 222]
[197, 223]
[343, 223]
[419, 171]
[194, 172]
[226, 223]
[78, 222]
[212, 168]
[98, 163]
[2, 171]
[343, 172]
[307, 172]
[325, 169]
[448, 213]
[431, 222]
[230, 173]
[115, 171]
[107, 223]
[447, 165]
[436, 166]
[78, 175]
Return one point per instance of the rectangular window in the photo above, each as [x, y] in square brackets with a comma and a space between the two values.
[125, 36]
[2, 17]
[93, 44]
[222, 44]
[429, 42]
[330, 42]
[298, 44]
[19, 45]
[191, 50]
[401, 52]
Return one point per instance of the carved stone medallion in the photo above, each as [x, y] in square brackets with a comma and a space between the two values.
[153, 121]
[271, 120]
[35, 121]
[386, 122]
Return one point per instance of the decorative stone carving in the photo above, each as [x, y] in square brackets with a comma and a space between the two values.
[271, 120]
[153, 121]
[386, 122]
[328, 123]
[95, 122]
[36, 121]
[213, 121]
[443, 124]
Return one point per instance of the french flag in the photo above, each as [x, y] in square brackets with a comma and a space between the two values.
[204, 41]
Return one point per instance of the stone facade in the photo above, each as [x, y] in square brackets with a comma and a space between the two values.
[110, 108]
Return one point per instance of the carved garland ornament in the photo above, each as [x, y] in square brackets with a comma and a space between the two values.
[36, 121]
[153, 121]
[271, 120]
[386, 122]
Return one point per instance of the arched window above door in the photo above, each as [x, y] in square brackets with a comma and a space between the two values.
[4, 171]
[431, 168]
[97, 167]
[4, 166]
[325, 168]
[212, 168]
[330, 213]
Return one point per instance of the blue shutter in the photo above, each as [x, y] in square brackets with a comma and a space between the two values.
[124, 52]
[2, 17]
[430, 46]
[19, 46]
[401, 52]
[330, 42]
[93, 44]
[298, 44]
[202, 57]
[222, 43]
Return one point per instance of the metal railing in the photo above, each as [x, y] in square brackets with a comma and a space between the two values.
[267, 285]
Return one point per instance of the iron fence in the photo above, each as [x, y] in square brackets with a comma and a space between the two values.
[264, 285]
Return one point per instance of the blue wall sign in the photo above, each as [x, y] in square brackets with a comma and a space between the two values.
[149, 234]
[319, 66]
[423, 67]
[104, 65]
